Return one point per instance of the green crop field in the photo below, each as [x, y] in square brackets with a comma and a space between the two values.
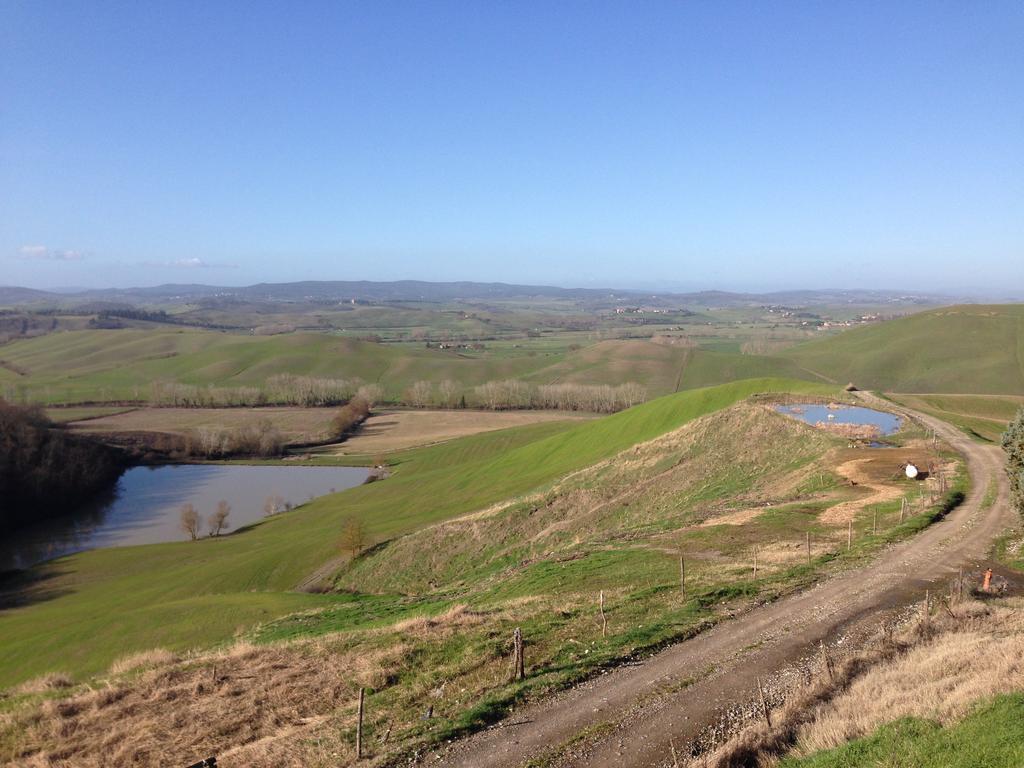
[87, 609]
[976, 349]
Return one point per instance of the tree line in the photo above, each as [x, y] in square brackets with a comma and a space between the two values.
[512, 394]
[313, 392]
[46, 472]
[280, 389]
[259, 439]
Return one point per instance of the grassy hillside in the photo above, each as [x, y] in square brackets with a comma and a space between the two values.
[991, 737]
[974, 349]
[663, 367]
[110, 365]
[109, 602]
[983, 416]
[423, 620]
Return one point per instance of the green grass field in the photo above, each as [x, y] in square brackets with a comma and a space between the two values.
[90, 608]
[87, 366]
[984, 417]
[991, 737]
[976, 349]
[115, 365]
[966, 349]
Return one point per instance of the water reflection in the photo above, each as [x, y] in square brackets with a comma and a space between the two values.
[887, 423]
[144, 507]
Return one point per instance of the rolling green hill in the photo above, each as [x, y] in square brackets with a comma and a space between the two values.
[663, 368]
[121, 364]
[965, 349]
[975, 349]
[983, 416]
[81, 612]
[115, 365]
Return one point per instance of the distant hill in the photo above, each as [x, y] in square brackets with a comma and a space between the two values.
[11, 295]
[977, 349]
[423, 291]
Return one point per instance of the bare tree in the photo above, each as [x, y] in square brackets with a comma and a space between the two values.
[272, 505]
[371, 393]
[191, 521]
[420, 394]
[219, 519]
[353, 537]
[350, 416]
[446, 393]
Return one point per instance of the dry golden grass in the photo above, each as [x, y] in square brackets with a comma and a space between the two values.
[54, 681]
[940, 679]
[936, 671]
[185, 711]
[157, 657]
[419, 626]
[251, 705]
[298, 425]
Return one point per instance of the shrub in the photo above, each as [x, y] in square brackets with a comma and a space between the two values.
[350, 416]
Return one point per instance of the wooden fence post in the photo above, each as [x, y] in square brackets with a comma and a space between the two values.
[764, 704]
[808, 547]
[518, 663]
[755, 562]
[359, 725]
[874, 523]
[849, 536]
[826, 660]
[604, 620]
[682, 576]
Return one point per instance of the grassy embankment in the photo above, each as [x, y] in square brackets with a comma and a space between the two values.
[990, 737]
[943, 692]
[110, 602]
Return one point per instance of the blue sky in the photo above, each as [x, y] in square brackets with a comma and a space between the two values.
[688, 144]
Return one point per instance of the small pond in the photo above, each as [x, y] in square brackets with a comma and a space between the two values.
[885, 423]
[145, 506]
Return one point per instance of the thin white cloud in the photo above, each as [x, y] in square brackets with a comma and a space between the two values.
[190, 263]
[42, 253]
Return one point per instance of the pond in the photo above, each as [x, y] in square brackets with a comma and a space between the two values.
[145, 506]
[815, 414]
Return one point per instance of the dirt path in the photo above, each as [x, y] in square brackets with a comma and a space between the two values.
[842, 513]
[671, 697]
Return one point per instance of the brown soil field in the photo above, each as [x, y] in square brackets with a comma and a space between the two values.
[396, 430]
[298, 425]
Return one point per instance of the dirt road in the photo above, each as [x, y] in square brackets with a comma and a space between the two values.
[640, 711]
